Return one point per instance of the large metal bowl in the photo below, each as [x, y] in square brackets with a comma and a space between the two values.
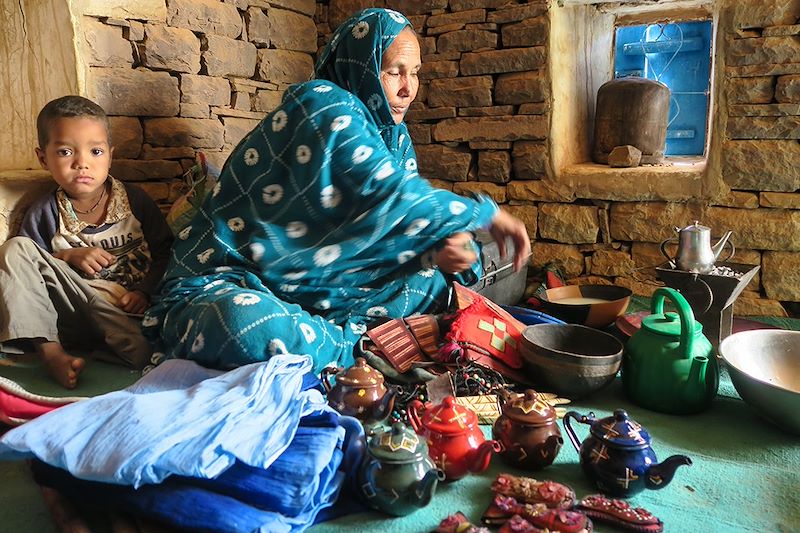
[570, 359]
[764, 366]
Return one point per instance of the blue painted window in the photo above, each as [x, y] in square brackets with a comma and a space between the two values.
[679, 56]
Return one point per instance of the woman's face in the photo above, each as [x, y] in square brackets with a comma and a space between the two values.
[399, 73]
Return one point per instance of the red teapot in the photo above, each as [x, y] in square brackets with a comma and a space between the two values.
[455, 440]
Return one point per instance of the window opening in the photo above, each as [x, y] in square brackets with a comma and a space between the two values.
[679, 56]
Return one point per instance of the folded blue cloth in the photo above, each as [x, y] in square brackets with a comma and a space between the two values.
[173, 503]
[287, 496]
[157, 428]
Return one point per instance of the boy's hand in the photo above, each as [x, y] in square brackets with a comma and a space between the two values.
[134, 302]
[87, 259]
[458, 253]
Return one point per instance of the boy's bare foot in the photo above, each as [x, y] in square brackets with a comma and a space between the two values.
[62, 367]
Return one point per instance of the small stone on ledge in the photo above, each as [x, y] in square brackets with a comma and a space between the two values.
[624, 156]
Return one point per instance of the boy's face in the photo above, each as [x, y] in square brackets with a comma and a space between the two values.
[77, 155]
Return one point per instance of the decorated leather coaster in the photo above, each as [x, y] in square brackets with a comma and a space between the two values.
[529, 490]
[458, 523]
[555, 521]
[619, 513]
[527, 517]
[502, 508]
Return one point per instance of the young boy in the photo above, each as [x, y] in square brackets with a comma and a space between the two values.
[87, 256]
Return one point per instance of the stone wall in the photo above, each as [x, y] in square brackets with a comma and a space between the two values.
[484, 121]
[200, 78]
[760, 153]
[506, 98]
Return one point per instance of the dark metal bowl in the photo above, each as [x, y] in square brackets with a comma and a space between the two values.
[764, 366]
[570, 359]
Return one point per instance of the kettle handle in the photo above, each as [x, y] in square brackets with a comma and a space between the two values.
[730, 255]
[325, 377]
[684, 312]
[664, 249]
[583, 419]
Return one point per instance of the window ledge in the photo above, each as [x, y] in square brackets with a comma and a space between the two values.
[676, 179]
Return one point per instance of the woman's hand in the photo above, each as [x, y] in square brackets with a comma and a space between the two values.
[87, 259]
[134, 302]
[505, 226]
[458, 253]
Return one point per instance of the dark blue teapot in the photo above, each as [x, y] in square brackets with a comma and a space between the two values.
[617, 455]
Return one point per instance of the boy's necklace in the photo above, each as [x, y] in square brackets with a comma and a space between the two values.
[91, 209]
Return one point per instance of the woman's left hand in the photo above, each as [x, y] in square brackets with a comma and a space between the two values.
[457, 254]
[505, 226]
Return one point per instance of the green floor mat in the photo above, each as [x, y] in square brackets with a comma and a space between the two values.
[98, 377]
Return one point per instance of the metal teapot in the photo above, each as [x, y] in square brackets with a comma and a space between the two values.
[669, 365]
[455, 440]
[397, 475]
[617, 455]
[359, 392]
[695, 251]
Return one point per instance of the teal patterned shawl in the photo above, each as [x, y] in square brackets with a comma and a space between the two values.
[319, 223]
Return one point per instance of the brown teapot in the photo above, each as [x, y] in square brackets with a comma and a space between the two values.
[359, 392]
[527, 430]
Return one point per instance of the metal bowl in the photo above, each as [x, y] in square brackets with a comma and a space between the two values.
[570, 359]
[764, 366]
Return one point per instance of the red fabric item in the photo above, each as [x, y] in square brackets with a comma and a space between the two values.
[482, 328]
[14, 410]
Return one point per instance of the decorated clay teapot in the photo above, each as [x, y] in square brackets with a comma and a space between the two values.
[617, 455]
[455, 440]
[669, 365]
[397, 475]
[360, 392]
[695, 251]
[527, 431]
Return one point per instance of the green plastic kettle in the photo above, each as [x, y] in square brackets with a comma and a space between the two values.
[669, 365]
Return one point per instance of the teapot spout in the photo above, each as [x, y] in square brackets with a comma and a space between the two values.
[697, 371]
[426, 487]
[382, 408]
[553, 444]
[659, 475]
[483, 455]
[717, 248]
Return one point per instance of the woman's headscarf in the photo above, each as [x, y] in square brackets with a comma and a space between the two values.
[352, 60]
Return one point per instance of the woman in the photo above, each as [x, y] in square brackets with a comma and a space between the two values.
[319, 223]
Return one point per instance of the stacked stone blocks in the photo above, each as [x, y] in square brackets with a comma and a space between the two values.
[199, 79]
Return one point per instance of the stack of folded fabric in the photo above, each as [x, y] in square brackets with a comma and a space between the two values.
[254, 449]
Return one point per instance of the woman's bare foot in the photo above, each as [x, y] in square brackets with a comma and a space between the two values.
[62, 367]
